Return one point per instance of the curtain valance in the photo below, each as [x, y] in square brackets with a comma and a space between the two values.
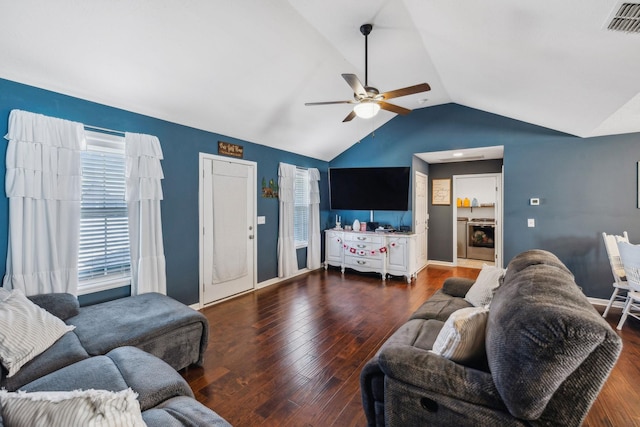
[43, 157]
[144, 172]
[314, 188]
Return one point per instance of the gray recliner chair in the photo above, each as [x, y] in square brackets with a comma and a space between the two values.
[548, 354]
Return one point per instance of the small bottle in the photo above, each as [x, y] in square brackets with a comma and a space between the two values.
[466, 202]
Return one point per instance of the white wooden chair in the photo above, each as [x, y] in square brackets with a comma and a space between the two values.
[620, 286]
[630, 257]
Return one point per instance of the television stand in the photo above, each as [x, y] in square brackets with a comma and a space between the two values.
[388, 254]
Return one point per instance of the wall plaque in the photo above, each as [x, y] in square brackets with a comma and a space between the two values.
[441, 192]
[228, 149]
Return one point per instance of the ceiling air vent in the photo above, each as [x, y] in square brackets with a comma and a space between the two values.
[627, 18]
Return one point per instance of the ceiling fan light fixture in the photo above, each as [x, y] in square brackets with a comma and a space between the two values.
[366, 110]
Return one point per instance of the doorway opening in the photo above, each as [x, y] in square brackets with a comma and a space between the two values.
[451, 240]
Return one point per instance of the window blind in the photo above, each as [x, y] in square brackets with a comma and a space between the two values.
[104, 232]
[301, 207]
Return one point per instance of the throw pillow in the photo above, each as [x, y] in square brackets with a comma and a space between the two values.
[481, 292]
[26, 330]
[71, 408]
[461, 339]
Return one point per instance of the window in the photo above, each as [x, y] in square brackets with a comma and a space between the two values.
[301, 208]
[104, 260]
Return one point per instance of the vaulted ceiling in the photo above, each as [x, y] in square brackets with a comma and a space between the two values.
[246, 68]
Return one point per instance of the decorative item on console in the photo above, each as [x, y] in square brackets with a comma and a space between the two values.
[362, 252]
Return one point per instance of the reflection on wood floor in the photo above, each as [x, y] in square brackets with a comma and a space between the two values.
[291, 354]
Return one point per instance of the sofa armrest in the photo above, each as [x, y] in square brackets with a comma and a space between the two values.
[457, 286]
[436, 374]
[61, 305]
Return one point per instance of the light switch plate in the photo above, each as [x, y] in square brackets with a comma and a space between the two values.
[262, 220]
[531, 222]
[534, 201]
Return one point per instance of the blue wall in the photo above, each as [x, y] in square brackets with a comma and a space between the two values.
[586, 186]
[181, 145]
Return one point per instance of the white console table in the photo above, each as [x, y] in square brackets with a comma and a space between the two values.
[367, 251]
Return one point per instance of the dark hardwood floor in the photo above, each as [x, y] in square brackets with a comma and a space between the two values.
[291, 354]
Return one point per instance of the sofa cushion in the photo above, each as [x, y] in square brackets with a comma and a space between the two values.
[461, 339]
[416, 333]
[549, 327]
[150, 321]
[154, 380]
[98, 372]
[481, 293]
[66, 351]
[439, 306]
[71, 408]
[26, 330]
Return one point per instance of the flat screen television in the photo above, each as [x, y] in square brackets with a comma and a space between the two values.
[371, 189]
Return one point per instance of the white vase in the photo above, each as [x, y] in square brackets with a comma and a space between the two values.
[356, 225]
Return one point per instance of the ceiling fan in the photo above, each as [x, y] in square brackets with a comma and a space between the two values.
[367, 99]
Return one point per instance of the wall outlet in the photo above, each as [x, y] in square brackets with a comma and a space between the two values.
[531, 222]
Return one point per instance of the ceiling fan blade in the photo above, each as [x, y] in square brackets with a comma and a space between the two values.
[422, 87]
[355, 84]
[349, 117]
[329, 102]
[393, 108]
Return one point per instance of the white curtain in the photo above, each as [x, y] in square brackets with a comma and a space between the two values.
[44, 185]
[287, 259]
[144, 192]
[313, 247]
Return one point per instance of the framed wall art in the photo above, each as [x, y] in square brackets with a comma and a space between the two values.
[441, 192]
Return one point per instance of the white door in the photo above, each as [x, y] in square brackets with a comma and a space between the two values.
[421, 216]
[227, 225]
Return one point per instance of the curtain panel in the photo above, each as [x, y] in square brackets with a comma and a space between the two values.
[143, 195]
[313, 246]
[287, 260]
[43, 182]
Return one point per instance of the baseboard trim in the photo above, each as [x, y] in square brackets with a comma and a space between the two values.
[277, 280]
[603, 302]
[441, 263]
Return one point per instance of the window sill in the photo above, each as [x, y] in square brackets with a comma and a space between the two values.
[99, 285]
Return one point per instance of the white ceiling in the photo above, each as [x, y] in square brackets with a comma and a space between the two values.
[245, 68]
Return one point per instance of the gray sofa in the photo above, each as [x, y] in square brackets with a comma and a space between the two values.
[138, 342]
[547, 355]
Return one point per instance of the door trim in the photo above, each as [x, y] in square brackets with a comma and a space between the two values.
[426, 212]
[254, 165]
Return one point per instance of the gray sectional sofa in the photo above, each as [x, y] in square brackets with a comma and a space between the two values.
[546, 355]
[137, 342]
